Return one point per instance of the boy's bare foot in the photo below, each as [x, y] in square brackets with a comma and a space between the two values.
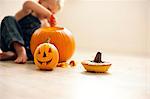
[21, 53]
[9, 55]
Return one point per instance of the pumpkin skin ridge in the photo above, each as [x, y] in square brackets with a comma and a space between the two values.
[63, 40]
[63, 36]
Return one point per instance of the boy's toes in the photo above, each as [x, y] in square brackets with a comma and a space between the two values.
[20, 60]
[17, 60]
[24, 60]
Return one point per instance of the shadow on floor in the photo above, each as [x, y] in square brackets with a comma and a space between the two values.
[93, 73]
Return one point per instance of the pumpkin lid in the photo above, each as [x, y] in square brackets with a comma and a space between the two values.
[45, 29]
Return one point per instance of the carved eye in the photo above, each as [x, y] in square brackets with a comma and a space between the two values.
[49, 50]
[39, 52]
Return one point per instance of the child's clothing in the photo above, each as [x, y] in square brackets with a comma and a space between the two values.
[18, 31]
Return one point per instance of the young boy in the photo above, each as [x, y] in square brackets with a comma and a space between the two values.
[16, 31]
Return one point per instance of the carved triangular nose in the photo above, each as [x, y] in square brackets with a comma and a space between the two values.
[44, 54]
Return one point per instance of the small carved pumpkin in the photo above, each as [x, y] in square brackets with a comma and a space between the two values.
[46, 56]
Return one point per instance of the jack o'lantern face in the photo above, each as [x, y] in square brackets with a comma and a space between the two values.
[46, 56]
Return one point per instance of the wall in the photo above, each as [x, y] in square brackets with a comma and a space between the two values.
[9, 7]
[118, 26]
[148, 41]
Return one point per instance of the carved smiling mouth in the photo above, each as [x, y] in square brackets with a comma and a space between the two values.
[47, 62]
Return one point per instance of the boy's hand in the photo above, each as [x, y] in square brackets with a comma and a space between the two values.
[52, 21]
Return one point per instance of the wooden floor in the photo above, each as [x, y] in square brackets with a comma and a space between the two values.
[127, 78]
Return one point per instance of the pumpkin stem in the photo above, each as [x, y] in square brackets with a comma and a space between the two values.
[97, 58]
[48, 40]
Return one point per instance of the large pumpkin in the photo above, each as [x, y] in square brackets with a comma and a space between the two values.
[60, 37]
[46, 56]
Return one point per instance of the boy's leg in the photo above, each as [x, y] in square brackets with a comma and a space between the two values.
[9, 55]
[12, 39]
[21, 53]
[5, 55]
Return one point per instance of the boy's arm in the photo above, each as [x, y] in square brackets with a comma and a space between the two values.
[34, 6]
[47, 23]
[44, 23]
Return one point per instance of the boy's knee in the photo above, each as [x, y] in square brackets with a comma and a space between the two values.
[8, 18]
